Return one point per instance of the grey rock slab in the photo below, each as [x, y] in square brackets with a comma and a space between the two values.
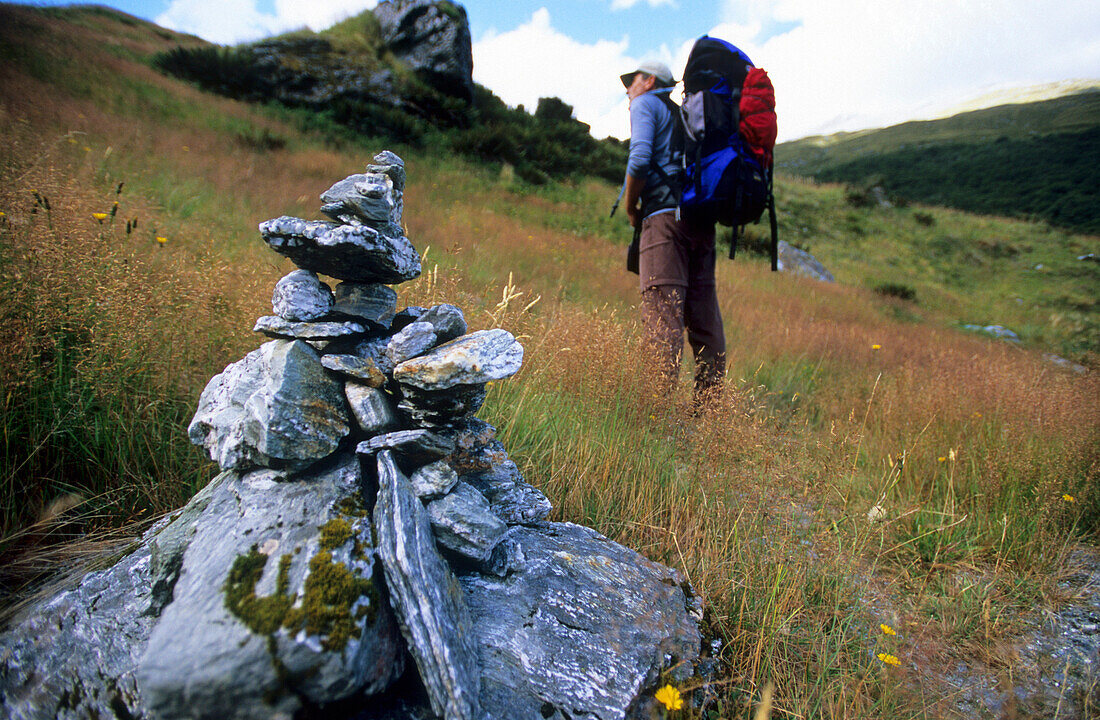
[389, 163]
[802, 263]
[507, 557]
[371, 408]
[358, 253]
[73, 656]
[511, 498]
[363, 370]
[464, 524]
[478, 357]
[277, 407]
[414, 447]
[277, 327]
[369, 198]
[412, 340]
[433, 480]
[444, 407]
[301, 297]
[581, 630]
[372, 303]
[428, 600]
[409, 315]
[238, 639]
[448, 321]
[372, 348]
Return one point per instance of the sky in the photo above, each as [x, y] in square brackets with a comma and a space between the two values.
[836, 64]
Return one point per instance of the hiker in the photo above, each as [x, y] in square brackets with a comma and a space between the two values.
[676, 257]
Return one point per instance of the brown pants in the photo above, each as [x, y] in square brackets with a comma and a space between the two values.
[676, 269]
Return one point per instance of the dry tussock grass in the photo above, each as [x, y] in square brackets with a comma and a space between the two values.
[108, 337]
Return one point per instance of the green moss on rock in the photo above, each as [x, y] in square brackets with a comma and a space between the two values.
[335, 533]
[261, 615]
[330, 592]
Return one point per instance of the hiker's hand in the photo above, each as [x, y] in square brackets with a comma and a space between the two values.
[635, 214]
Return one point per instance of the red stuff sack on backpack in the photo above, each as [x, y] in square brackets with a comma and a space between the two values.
[758, 123]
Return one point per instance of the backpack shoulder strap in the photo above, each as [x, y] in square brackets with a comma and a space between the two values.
[676, 143]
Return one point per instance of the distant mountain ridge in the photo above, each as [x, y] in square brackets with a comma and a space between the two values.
[1038, 159]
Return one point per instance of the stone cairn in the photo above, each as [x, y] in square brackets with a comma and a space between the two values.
[369, 549]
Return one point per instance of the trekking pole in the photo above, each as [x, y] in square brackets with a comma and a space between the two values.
[774, 224]
[619, 199]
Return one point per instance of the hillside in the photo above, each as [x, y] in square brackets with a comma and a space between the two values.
[409, 82]
[880, 495]
[1033, 160]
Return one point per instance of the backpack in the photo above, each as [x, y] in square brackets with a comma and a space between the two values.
[728, 135]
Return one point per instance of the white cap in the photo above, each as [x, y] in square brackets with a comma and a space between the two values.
[650, 67]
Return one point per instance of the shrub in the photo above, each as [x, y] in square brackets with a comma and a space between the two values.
[898, 290]
[227, 71]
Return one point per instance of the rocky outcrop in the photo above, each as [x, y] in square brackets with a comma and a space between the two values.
[366, 527]
[433, 38]
[430, 37]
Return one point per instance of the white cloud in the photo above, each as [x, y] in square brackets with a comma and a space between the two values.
[627, 4]
[233, 21]
[535, 60]
[859, 63]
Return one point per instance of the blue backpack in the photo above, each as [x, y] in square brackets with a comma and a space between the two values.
[726, 177]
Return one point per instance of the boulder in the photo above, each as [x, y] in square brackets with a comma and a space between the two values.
[476, 358]
[276, 603]
[277, 407]
[372, 409]
[433, 38]
[802, 263]
[464, 524]
[362, 370]
[370, 302]
[412, 340]
[301, 297]
[425, 408]
[358, 253]
[582, 629]
[427, 598]
[510, 497]
[433, 480]
[447, 320]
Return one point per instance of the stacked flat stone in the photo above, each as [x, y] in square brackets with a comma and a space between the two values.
[364, 516]
[346, 372]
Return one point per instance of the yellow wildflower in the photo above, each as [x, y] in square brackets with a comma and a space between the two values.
[162, 240]
[887, 630]
[889, 659]
[670, 697]
[100, 216]
[942, 458]
[1069, 498]
[876, 347]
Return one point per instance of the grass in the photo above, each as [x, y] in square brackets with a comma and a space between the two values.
[870, 464]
